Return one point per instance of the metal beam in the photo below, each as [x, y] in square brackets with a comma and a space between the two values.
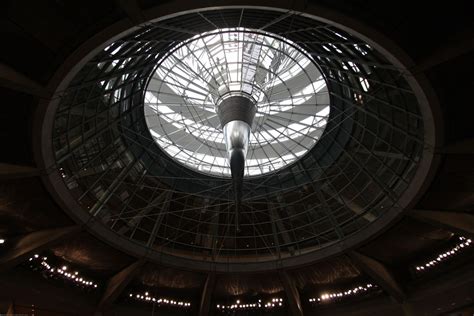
[212, 239]
[446, 53]
[159, 218]
[162, 201]
[12, 79]
[381, 153]
[37, 241]
[349, 204]
[98, 206]
[276, 241]
[292, 295]
[381, 275]
[118, 282]
[276, 219]
[209, 240]
[326, 209]
[278, 19]
[9, 171]
[132, 10]
[205, 307]
[460, 223]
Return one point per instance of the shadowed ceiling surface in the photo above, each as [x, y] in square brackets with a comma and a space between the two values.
[40, 44]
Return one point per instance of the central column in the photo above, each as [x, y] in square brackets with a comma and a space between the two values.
[236, 114]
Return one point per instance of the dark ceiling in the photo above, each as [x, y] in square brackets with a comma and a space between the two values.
[39, 36]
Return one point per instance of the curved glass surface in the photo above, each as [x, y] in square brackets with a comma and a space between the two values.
[288, 89]
[360, 172]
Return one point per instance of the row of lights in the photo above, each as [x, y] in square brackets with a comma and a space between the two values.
[338, 295]
[63, 272]
[275, 302]
[460, 246]
[161, 301]
[62, 172]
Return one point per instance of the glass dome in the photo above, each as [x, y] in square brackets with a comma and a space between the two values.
[282, 80]
[142, 162]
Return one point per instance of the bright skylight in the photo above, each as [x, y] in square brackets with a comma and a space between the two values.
[288, 89]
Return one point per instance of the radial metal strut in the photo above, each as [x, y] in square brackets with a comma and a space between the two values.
[236, 114]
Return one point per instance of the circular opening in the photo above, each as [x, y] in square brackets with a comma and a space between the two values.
[280, 77]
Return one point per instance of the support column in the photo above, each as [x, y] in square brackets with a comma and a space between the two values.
[236, 114]
[205, 307]
[292, 295]
[26, 245]
[381, 275]
[118, 282]
[11, 309]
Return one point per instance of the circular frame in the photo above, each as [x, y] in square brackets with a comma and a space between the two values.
[53, 181]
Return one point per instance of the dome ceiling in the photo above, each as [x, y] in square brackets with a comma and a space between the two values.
[353, 128]
[87, 185]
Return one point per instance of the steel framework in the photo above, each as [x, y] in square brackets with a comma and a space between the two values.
[354, 173]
